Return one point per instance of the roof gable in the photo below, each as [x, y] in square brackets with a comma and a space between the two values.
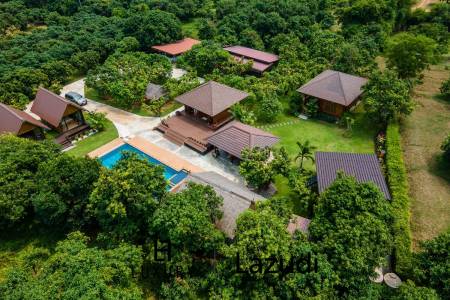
[236, 136]
[51, 107]
[364, 167]
[335, 87]
[212, 97]
[12, 120]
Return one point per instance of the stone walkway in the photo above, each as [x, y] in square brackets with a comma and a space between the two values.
[130, 125]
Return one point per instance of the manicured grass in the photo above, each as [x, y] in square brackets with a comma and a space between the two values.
[422, 134]
[93, 142]
[167, 108]
[323, 135]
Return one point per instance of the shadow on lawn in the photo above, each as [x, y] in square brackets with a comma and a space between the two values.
[440, 167]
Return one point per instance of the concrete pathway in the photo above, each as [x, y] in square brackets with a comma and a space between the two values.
[130, 125]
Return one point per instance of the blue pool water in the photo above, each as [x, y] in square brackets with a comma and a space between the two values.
[110, 159]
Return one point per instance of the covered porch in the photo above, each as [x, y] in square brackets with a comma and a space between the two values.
[184, 128]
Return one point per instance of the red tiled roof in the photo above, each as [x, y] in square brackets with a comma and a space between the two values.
[364, 167]
[178, 47]
[11, 119]
[212, 98]
[51, 107]
[236, 136]
[335, 87]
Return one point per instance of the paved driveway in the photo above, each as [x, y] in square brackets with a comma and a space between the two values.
[131, 125]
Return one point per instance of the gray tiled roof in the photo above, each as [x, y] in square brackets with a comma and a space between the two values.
[335, 87]
[154, 91]
[212, 98]
[364, 167]
[236, 198]
[236, 136]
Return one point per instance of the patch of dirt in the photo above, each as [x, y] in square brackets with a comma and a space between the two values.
[423, 133]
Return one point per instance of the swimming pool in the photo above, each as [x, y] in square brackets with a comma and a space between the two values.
[110, 159]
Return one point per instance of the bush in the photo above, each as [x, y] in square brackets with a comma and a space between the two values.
[97, 120]
[398, 183]
[446, 147]
[445, 89]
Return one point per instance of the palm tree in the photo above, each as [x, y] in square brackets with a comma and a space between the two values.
[306, 151]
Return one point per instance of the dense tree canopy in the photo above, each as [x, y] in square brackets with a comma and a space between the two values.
[352, 227]
[124, 198]
[76, 271]
[124, 77]
[386, 97]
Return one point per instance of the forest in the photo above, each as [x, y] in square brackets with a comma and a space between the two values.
[100, 225]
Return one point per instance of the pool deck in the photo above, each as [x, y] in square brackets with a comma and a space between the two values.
[164, 156]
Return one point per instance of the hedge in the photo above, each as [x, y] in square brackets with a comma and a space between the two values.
[398, 183]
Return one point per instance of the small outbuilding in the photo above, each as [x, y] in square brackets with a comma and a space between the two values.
[20, 123]
[154, 92]
[335, 91]
[262, 61]
[236, 136]
[364, 167]
[177, 48]
[236, 198]
[297, 223]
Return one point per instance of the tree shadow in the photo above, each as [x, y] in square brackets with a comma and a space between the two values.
[439, 166]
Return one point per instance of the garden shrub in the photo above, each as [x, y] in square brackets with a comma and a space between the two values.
[398, 183]
[97, 120]
[445, 89]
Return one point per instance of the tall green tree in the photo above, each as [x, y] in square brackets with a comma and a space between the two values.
[305, 151]
[409, 55]
[76, 271]
[386, 97]
[432, 264]
[20, 160]
[125, 198]
[351, 226]
[123, 78]
[65, 184]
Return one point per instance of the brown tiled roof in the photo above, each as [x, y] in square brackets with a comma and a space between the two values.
[261, 60]
[364, 167]
[335, 87]
[298, 223]
[178, 47]
[212, 98]
[250, 53]
[51, 107]
[236, 198]
[235, 137]
[12, 120]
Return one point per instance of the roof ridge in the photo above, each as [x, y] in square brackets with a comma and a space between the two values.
[213, 183]
[342, 86]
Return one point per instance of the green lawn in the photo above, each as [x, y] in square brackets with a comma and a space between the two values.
[323, 135]
[93, 142]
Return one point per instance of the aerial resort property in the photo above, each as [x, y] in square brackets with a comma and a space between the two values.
[224, 150]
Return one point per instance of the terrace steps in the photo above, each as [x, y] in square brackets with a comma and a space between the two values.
[175, 137]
